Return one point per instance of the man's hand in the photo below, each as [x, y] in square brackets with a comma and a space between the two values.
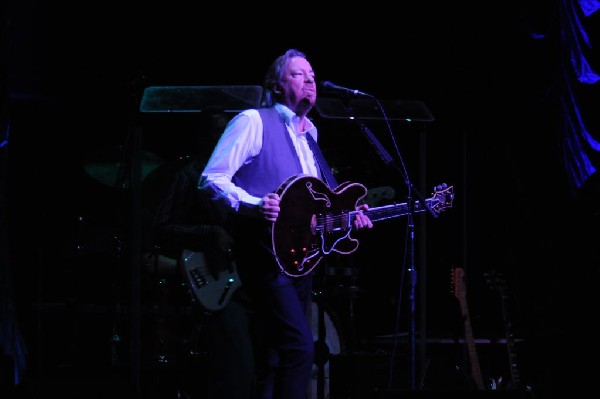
[362, 221]
[269, 207]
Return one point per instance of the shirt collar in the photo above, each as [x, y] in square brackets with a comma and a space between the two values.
[290, 117]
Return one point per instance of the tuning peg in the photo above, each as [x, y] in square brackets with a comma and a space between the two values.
[440, 187]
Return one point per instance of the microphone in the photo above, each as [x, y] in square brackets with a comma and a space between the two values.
[329, 87]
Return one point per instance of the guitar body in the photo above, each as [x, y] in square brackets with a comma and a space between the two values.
[299, 241]
[212, 293]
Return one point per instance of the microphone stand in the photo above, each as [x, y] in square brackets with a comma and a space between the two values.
[388, 160]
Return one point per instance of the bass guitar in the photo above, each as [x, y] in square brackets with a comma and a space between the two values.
[315, 221]
[209, 291]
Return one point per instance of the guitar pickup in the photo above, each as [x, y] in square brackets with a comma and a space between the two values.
[198, 278]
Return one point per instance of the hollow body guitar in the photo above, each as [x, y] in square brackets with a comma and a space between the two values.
[315, 221]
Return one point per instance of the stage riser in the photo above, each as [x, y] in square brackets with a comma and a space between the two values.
[451, 394]
[379, 376]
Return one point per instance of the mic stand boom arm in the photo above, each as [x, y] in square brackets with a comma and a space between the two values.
[389, 161]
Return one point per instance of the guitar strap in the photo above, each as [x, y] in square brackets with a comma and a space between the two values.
[321, 162]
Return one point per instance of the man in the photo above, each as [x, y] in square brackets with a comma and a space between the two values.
[258, 151]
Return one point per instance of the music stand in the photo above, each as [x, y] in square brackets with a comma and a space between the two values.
[359, 109]
[169, 99]
[367, 108]
[200, 98]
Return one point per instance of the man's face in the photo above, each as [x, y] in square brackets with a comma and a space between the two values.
[298, 84]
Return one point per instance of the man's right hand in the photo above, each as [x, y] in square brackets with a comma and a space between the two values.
[269, 207]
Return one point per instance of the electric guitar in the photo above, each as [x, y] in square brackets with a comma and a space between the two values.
[211, 292]
[460, 291]
[497, 281]
[315, 221]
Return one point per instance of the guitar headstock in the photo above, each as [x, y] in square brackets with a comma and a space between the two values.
[442, 198]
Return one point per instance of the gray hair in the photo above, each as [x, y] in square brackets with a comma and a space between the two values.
[274, 75]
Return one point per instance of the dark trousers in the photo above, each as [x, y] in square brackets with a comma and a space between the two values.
[283, 336]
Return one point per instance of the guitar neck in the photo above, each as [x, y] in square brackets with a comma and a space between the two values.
[510, 342]
[460, 293]
[497, 281]
[394, 210]
[473, 357]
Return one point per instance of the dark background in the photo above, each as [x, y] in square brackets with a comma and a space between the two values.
[75, 73]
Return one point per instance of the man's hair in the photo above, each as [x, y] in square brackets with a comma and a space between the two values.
[274, 75]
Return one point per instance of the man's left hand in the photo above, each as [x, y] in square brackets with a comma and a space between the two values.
[362, 221]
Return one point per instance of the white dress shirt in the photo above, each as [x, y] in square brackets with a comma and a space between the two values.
[240, 142]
